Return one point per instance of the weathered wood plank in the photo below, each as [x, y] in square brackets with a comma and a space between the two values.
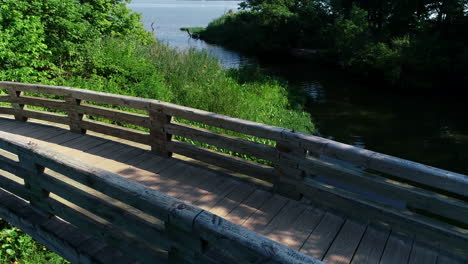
[241, 245]
[159, 138]
[7, 110]
[223, 160]
[412, 171]
[280, 228]
[18, 108]
[357, 206]
[103, 231]
[11, 185]
[117, 131]
[134, 194]
[422, 255]
[115, 215]
[323, 235]
[372, 246]
[242, 212]
[209, 200]
[114, 115]
[232, 200]
[41, 102]
[74, 117]
[222, 121]
[235, 144]
[155, 164]
[303, 226]
[413, 196]
[46, 116]
[262, 217]
[21, 215]
[88, 95]
[444, 259]
[397, 250]
[342, 249]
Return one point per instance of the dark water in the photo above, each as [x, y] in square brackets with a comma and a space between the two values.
[427, 129]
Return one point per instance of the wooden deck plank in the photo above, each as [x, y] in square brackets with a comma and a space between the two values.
[243, 211]
[281, 228]
[372, 246]
[83, 143]
[422, 255]
[232, 200]
[444, 259]
[262, 217]
[34, 132]
[322, 237]
[303, 226]
[63, 138]
[342, 249]
[10, 125]
[169, 178]
[195, 182]
[155, 164]
[206, 187]
[185, 176]
[135, 161]
[209, 200]
[397, 250]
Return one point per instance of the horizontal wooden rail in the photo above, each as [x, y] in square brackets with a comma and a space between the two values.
[179, 228]
[297, 164]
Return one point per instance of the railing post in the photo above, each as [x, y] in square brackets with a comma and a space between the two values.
[34, 170]
[158, 136]
[186, 246]
[17, 107]
[73, 115]
[288, 178]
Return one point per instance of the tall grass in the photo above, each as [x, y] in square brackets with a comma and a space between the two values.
[190, 78]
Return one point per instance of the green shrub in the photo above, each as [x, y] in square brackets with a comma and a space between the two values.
[19, 248]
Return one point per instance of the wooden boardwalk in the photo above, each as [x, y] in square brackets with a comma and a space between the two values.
[316, 231]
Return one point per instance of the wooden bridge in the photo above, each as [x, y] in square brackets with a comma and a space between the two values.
[103, 178]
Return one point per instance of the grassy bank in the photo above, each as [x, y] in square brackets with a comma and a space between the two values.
[190, 78]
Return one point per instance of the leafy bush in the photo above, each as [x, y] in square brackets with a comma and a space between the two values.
[19, 248]
[400, 42]
[40, 39]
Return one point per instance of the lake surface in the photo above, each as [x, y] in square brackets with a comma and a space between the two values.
[432, 130]
[169, 16]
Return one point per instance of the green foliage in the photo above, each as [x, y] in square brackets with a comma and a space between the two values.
[402, 42]
[40, 39]
[19, 248]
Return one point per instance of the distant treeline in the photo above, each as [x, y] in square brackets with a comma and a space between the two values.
[406, 43]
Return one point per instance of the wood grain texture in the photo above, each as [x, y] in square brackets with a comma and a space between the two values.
[323, 236]
[372, 246]
[397, 250]
[342, 249]
[235, 144]
[45, 230]
[422, 255]
[223, 160]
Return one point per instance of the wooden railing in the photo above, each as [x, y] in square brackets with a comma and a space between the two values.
[140, 222]
[428, 202]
